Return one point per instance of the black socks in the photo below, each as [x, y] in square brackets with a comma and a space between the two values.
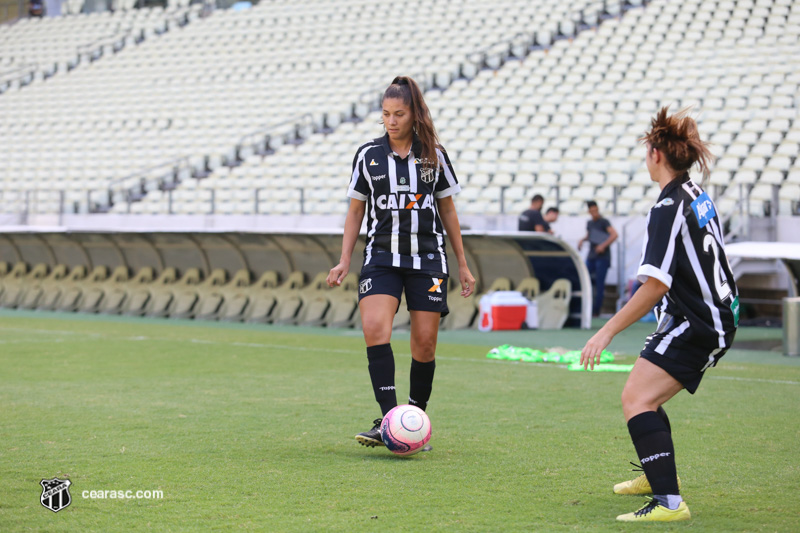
[381, 372]
[421, 383]
[650, 432]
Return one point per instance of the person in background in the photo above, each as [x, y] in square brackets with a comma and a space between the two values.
[531, 219]
[600, 234]
[36, 8]
[550, 216]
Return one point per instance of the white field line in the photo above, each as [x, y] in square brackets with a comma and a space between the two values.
[332, 350]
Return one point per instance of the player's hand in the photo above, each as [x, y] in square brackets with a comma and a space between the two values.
[337, 274]
[467, 281]
[599, 248]
[590, 355]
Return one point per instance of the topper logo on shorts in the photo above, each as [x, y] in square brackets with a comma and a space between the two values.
[365, 286]
[437, 285]
[404, 201]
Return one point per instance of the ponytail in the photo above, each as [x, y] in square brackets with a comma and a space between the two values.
[407, 90]
[677, 137]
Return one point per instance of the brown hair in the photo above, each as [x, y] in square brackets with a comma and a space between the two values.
[407, 90]
[676, 136]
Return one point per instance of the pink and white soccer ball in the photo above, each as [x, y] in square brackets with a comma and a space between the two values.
[406, 429]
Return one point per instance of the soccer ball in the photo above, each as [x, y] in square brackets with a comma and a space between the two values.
[405, 429]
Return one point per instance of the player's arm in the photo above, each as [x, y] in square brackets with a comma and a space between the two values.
[539, 227]
[642, 301]
[352, 225]
[447, 213]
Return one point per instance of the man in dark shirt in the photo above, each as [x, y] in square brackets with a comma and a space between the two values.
[550, 216]
[531, 219]
[600, 235]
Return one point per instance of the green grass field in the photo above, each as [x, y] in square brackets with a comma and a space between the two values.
[251, 428]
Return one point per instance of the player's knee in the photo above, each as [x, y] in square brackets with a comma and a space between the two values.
[376, 331]
[424, 349]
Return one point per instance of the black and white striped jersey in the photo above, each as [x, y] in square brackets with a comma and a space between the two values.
[403, 225]
[684, 249]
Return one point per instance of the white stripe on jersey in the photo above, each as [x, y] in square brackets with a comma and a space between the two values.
[668, 338]
[395, 240]
[370, 231]
[351, 190]
[673, 236]
[412, 179]
[451, 180]
[392, 175]
[701, 280]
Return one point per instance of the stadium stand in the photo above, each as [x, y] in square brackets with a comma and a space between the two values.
[34, 49]
[181, 104]
[564, 121]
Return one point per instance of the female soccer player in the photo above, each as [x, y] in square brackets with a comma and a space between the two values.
[686, 275]
[404, 182]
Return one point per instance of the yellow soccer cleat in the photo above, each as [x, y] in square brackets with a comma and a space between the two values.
[655, 512]
[638, 486]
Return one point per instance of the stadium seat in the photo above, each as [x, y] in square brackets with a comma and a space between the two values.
[529, 287]
[289, 302]
[147, 294]
[267, 295]
[260, 300]
[117, 295]
[343, 312]
[46, 290]
[13, 285]
[316, 299]
[553, 304]
[235, 297]
[178, 297]
[203, 299]
[95, 294]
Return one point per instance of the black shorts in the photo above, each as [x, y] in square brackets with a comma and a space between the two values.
[683, 358]
[425, 290]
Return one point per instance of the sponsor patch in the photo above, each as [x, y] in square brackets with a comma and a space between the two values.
[373, 163]
[703, 209]
[437, 285]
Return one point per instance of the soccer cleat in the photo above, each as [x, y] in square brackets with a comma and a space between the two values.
[653, 511]
[372, 437]
[638, 486]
